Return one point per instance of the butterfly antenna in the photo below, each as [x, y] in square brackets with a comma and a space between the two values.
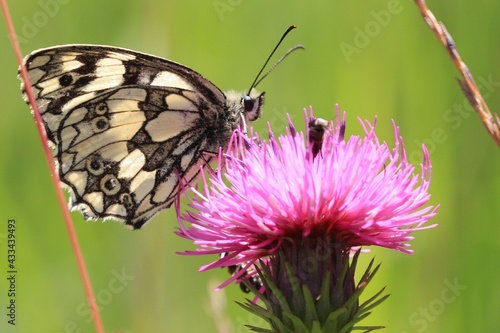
[257, 80]
[296, 47]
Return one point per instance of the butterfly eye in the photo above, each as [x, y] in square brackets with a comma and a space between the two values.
[253, 106]
[248, 103]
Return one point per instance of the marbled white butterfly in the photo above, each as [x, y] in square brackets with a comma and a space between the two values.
[126, 125]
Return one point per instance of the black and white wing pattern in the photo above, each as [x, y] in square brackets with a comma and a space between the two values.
[126, 125]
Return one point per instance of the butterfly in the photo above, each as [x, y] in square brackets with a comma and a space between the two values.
[126, 126]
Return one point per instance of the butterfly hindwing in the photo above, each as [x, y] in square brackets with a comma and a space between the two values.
[125, 126]
[121, 151]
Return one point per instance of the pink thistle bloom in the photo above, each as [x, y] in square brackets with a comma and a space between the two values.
[356, 192]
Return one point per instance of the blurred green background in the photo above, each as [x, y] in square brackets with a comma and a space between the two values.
[372, 57]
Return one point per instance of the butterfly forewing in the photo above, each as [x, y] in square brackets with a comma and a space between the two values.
[125, 126]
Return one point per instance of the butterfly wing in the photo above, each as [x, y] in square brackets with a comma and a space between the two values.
[125, 126]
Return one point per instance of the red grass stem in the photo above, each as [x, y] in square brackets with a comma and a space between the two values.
[55, 175]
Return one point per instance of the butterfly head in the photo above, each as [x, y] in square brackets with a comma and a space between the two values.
[253, 101]
[252, 105]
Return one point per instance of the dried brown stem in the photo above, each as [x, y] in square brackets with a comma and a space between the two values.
[468, 85]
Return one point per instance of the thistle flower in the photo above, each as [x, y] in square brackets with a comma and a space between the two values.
[299, 208]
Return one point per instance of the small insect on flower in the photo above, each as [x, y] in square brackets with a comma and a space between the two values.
[126, 126]
[317, 128]
[241, 274]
